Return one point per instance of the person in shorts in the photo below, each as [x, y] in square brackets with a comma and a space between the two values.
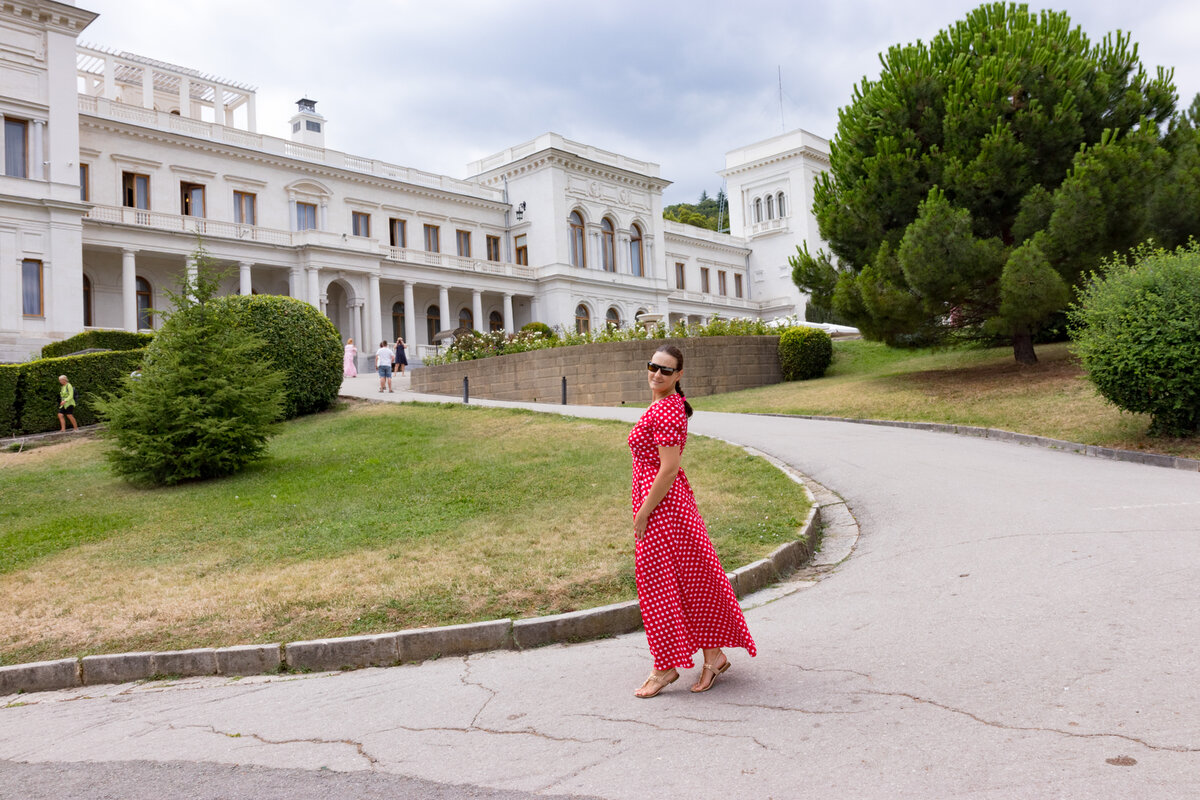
[66, 404]
[383, 365]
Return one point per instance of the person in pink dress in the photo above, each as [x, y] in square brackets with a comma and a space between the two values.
[686, 600]
[349, 369]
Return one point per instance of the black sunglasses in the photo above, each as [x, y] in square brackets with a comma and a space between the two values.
[666, 371]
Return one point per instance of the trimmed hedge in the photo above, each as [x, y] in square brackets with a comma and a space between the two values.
[109, 340]
[804, 353]
[29, 392]
[539, 327]
[300, 341]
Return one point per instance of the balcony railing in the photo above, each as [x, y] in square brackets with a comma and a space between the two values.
[411, 256]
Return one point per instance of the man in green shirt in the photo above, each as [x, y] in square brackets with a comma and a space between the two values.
[66, 405]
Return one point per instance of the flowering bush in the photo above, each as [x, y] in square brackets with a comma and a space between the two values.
[484, 345]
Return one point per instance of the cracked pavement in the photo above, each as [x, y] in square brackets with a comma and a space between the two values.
[1013, 623]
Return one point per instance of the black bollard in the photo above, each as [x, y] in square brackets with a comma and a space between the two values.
[466, 389]
[564, 390]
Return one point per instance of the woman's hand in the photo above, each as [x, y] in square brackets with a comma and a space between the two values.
[640, 521]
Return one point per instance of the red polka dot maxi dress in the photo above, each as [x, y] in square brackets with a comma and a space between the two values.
[686, 600]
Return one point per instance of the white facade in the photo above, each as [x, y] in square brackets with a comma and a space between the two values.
[118, 166]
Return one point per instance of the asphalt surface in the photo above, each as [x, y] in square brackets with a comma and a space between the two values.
[1014, 623]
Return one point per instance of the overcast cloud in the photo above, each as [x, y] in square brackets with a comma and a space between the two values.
[434, 85]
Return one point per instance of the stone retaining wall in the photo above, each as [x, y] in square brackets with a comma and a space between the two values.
[607, 373]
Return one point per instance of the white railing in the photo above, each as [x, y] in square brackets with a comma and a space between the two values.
[710, 299]
[184, 224]
[104, 107]
[411, 256]
[777, 224]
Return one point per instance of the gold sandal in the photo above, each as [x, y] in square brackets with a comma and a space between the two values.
[659, 680]
[715, 671]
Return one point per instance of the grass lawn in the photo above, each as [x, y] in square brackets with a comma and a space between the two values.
[966, 386]
[365, 519]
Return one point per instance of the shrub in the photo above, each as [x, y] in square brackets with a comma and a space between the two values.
[108, 340]
[300, 341]
[206, 398]
[1136, 333]
[804, 353]
[10, 376]
[92, 374]
[539, 327]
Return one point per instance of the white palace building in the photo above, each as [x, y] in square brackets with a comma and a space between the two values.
[116, 166]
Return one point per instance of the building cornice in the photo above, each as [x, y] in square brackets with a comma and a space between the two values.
[804, 151]
[56, 16]
[732, 249]
[307, 168]
[553, 156]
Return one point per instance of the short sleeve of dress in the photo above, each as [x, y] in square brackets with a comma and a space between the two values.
[670, 425]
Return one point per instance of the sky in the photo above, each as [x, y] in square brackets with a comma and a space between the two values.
[435, 85]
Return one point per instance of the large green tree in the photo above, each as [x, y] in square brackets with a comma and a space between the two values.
[974, 181]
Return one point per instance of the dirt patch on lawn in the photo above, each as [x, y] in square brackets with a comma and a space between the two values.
[1056, 368]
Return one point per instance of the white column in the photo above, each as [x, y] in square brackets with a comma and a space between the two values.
[410, 315]
[374, 310]
[444, 309]
[185, 96]
[508, 313]
[291, 212]
[129, 288]
[294, 282]
[37, 136]
[477, 310]
[324, 223]
[110, 78]
[352, 308]
[324, 303]
[251, 117]
[224, 115]
[193, 270]
[244, 284]
[314, 281]
[147, 87]
[359, 311]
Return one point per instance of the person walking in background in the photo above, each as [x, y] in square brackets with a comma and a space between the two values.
[349, 368]
[401, 358]
[66, 404]
[383, 365]
[687, 602]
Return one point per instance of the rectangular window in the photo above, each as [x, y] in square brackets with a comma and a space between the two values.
[135, 190]
[704, 280]
[464, 243]
[493, 248]
[522, 250]
[360, 223]
[16, 148]
[737, 285]
[191, 199]
[245, 208]
[433, 242]
[85, 189]
[721, 283]
[315, 127]
[680, 283]
[31, 287]
[397, 233]
[306, 216]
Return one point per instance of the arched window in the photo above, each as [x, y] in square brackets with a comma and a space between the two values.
[608, 251]
[779, 202]
[145, 320]
[495, 321]
[87, 302]
[758, 209]
[578, 253]
[770, 207]
[635, 250]
[433, 322]
[397, 321]
[583, 320]
[466, 319]
[613, 318]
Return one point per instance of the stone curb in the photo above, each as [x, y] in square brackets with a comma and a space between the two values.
[399, 647]
[1110, 453]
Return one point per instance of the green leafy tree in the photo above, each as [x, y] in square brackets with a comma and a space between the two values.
[707, 212]
[959, 154]
[205, 401]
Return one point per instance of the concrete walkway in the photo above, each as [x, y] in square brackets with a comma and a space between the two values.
[1014, 623]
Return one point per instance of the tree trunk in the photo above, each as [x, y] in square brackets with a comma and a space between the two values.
[1023, 346]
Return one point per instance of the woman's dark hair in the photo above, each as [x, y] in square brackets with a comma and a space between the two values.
[677, 354]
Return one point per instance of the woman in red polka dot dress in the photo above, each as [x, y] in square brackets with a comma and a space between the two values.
[686, 600]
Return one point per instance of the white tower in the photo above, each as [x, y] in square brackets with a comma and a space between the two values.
[308, 127]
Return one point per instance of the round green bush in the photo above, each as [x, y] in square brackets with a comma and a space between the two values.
[539, 327]
[1136, 333]
[106, 340]
[804, 353]
[300, 341]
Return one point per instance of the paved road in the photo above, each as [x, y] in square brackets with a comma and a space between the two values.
[1015, 623]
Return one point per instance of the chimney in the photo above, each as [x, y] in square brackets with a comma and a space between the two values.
[308, 127]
